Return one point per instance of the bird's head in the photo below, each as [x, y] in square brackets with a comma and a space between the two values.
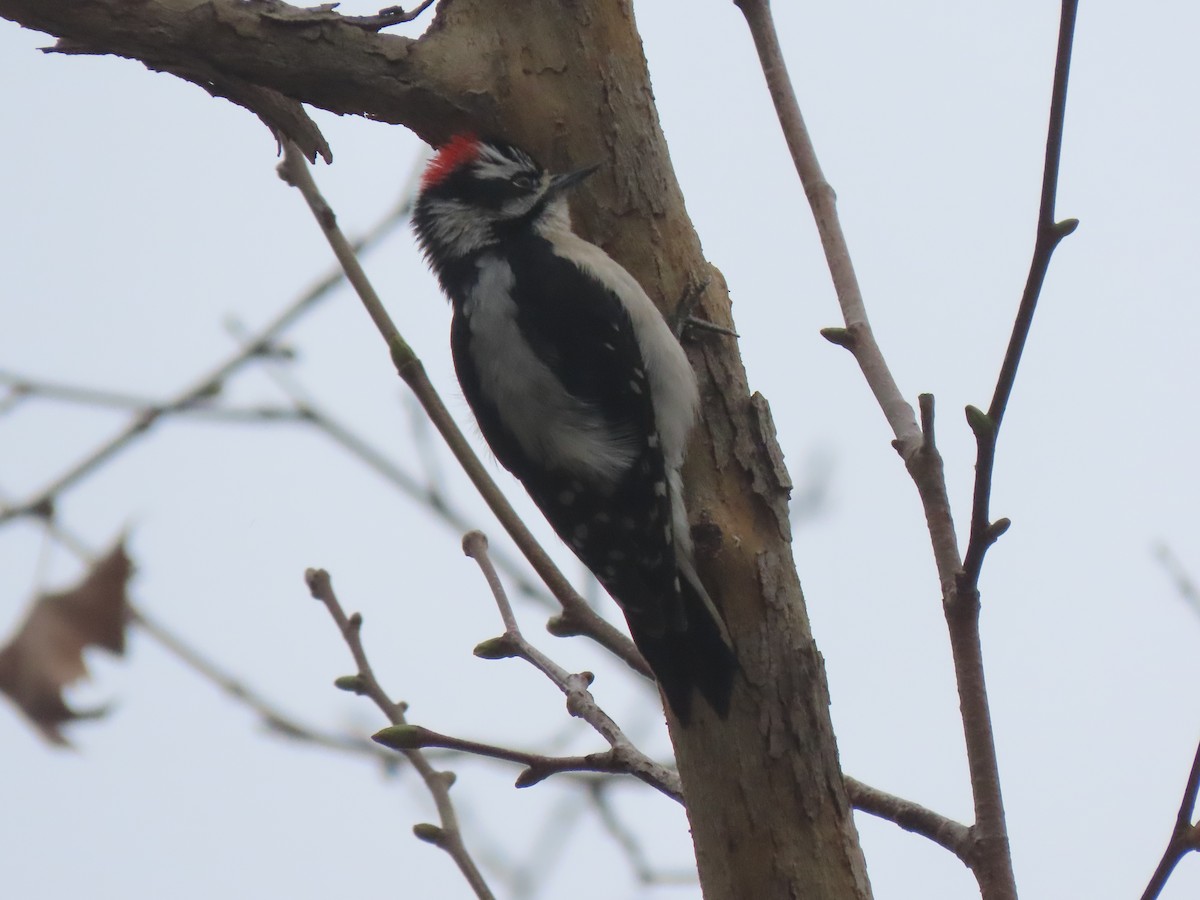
[475, 191]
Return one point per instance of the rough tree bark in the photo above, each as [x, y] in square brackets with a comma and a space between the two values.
[568, 81]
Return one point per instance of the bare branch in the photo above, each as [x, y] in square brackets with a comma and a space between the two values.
[990, 857]
[1049, 234]
[447, 835]
[625, 757]
[1185, 585]
[427, 494]
[538, 767]
[268, 57]
[911, 816]
[858, 337]
[1185, 836]
[993, 864]
[204, 388]
[275, 719]
[578, 617]
[235, 688]
[22, 387]
[634, 849]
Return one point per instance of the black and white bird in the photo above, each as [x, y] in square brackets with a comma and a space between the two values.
[581, 390]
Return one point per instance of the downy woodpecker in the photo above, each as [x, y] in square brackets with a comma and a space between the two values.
[582, 392]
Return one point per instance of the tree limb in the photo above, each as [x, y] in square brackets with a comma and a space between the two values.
[990, 857]
[254, 346]
[1049, 234]
[268, 57]
[624, 756]
[447, 836]
[911, 816]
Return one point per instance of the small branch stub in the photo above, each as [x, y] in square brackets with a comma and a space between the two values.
[926, 405]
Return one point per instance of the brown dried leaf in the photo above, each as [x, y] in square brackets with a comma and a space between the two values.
[46, 653]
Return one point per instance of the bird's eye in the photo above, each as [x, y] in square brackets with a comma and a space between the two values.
[524, 181]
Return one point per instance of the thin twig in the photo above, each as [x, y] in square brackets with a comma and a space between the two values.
[625, 757]
[577, 616]
[859, 338]
[992, 854]
[990, 857]
[304, 409]
[277, 721]
[633, 847]
[911, 816]
[538, 766]
[238, 690]
[205, 386]
[1049, 234]
[1185, 585]
[309, 410]
[1185, 837]
[22, 387]
[921, 458]
[447, 835]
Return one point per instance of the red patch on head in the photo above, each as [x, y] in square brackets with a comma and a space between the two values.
[456, 152]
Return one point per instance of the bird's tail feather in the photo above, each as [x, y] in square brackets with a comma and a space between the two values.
[697, 657]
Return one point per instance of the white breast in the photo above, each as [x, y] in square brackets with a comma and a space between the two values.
[553, 428]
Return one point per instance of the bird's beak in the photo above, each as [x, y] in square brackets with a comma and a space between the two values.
[560, 183]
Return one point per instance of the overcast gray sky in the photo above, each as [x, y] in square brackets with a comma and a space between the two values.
[141, 215]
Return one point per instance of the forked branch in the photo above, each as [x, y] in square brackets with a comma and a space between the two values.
[447, 835]
[987, 851]
[623, 756]
[1049, 235]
